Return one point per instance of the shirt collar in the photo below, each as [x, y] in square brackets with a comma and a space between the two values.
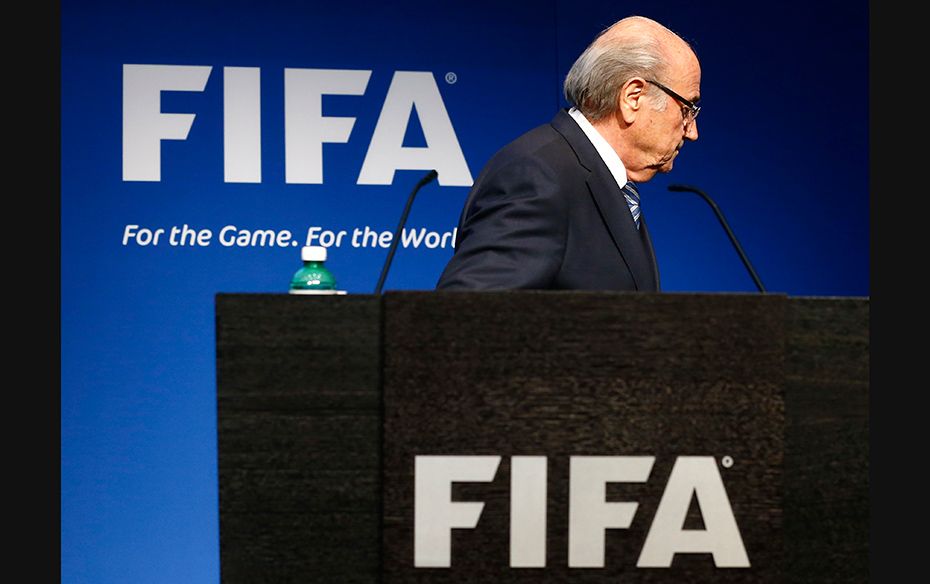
[606, 152]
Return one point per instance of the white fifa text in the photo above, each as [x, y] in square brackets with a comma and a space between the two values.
[590, 514]
[306, 129]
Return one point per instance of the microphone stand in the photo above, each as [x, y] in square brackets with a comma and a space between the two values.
[739, 248]
[400, 226]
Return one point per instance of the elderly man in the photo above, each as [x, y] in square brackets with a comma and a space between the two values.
[558, 208]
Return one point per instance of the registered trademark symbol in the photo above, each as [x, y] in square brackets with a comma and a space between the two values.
[726, 461]
[451, 77]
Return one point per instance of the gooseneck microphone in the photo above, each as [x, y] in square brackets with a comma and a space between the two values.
[739, 248]
[430, 176]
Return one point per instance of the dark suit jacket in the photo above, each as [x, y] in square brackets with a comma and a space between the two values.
[545, 213]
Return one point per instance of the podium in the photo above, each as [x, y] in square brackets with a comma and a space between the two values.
[522, 436]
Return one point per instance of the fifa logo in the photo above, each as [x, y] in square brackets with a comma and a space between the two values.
[590, 514]
[306, 129]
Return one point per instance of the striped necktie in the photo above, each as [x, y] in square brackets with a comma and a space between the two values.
[632, 199]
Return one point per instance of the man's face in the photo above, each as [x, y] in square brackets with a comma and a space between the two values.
[665, 132]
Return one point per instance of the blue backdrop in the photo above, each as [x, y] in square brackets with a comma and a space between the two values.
[783, 148]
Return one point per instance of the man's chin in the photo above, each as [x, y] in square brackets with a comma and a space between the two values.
[662, 167]
[665, 167]
[668, 164]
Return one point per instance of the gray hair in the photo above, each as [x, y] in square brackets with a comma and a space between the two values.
[593, 82]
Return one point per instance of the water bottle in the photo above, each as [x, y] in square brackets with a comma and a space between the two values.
[313, 277]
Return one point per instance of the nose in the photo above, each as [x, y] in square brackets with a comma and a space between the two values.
[691, 132]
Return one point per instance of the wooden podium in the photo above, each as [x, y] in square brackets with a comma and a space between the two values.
[336, 415]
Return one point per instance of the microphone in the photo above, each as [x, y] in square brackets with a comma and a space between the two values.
[400, 226]
[739, 248]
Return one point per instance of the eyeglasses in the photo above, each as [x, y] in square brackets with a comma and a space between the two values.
[691, 109]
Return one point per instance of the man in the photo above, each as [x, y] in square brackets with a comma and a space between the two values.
[558, 207]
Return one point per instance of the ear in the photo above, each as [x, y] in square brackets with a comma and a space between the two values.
[631, 97]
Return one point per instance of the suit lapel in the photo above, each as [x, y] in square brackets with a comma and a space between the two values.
[616, 215]
[610, 203]
[647, 243]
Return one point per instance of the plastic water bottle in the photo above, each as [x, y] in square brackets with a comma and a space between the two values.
[313, 277]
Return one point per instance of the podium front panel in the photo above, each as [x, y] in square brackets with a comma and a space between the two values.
[299, 438]
[500, 398]
[542, 437]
